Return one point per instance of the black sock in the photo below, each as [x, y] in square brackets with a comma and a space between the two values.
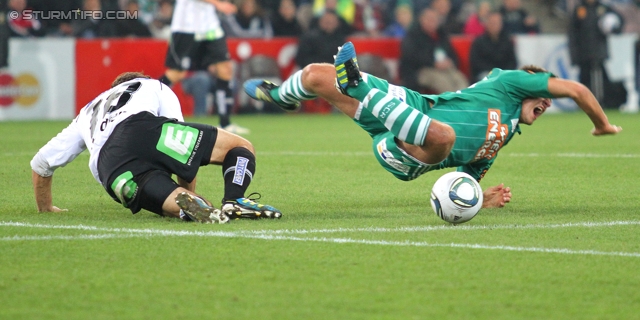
[165, 80]
[224, 101]
[238, 168]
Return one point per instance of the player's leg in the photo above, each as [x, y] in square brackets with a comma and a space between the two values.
[313, 81]
[187, 205]
[178, 58]
[156, 191]
[236, 155]
[428, 140]
[217, 62]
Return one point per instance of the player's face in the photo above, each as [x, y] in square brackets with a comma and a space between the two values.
[533, 108]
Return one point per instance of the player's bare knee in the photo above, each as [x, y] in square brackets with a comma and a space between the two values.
[314, 77]
[440, 139]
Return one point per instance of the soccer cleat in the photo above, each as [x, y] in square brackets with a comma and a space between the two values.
[198, 210]
[249, 209]
[347, 70]
[236, 129]
[259, 89]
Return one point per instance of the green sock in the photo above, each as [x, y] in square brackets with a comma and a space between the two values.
[360, 92]
[405, 122]
[291, 91]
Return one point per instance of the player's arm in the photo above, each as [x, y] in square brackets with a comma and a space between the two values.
[562, 88]
[58, 152]
[225, 7]
[494, 197]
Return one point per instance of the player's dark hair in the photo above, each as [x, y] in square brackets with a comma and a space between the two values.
[533, 68]
[126, 76]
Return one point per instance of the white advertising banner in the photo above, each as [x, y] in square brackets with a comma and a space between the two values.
[552, 53]
[40, 80]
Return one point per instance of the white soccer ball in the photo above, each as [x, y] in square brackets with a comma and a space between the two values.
[456, 197]
[609, 22]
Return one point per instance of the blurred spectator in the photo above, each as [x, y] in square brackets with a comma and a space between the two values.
[249, 22]
[449, 20]
[4, 37]
[427, 59]
[19, 26]
[345, 9]
[403, 19]
[93, 27]
[494, 49]
[516, 19]
[56, 27]
[146, 9]
[591, 23]
[198, 84]
[344, 25]
[160, 26]
[368, 19]
[284, 21]
[475, 23]
[132, 27]
[319, 45]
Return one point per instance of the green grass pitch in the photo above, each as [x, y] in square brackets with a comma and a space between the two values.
[354, 242]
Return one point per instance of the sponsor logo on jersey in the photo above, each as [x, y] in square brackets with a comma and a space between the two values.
[497, 133]
[179, 142]
[387, 156]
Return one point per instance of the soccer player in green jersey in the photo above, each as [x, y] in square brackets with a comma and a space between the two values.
[415, 133]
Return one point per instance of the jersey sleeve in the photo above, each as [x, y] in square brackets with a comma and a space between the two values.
[520, 84]
[477, 169]
[169, 103]
[59, 151]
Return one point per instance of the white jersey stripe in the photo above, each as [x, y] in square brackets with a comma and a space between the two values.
[407, 125]
[395, 114]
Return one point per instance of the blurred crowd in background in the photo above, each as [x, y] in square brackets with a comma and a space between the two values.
[427, 63]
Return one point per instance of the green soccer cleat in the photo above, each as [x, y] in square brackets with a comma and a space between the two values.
[245, 208]
[347, 70]
[259, 89]
[198, 210]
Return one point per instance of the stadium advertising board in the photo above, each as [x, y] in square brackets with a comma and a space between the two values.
[552, 53]
[40, 80]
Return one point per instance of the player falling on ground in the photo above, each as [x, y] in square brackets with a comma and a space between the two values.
[198, 42]
[137, 139]
[413, 133]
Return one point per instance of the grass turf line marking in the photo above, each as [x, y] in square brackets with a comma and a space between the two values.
[455, 228]
[79, 237]
[337, 230]
[232, 234]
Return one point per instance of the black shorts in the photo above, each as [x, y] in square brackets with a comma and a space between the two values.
[185, 53]
[136, 163]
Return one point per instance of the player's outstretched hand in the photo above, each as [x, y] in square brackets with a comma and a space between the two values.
[496, 197]
[608, 129]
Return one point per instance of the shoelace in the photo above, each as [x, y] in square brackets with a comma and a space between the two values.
[259, 196]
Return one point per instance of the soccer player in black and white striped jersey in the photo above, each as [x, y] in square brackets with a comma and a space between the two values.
[198, 42]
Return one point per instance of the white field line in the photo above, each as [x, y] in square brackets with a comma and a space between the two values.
[78, 237]
[368, 153]
[265, 236]
[336, 230]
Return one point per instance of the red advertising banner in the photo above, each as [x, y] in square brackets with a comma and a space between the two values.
[98, 62]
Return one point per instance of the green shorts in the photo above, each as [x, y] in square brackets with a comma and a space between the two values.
[395, 160]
